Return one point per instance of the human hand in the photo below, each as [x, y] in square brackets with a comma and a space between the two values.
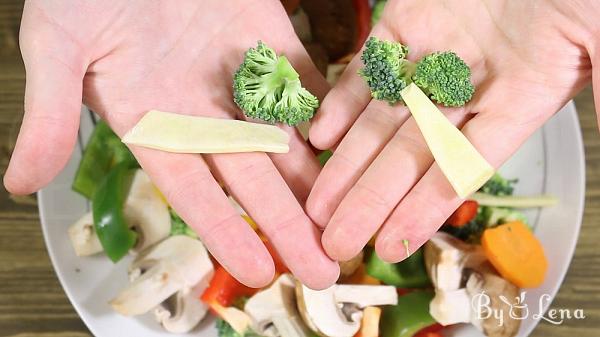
[123, 58]
[528, 58]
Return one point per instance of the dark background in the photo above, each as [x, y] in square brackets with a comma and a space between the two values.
[32, 302]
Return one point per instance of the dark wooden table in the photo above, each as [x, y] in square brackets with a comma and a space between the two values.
[32, 302]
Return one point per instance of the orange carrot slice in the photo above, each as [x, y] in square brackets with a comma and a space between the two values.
[516, 253]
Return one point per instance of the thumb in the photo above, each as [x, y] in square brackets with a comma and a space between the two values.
[53, 93]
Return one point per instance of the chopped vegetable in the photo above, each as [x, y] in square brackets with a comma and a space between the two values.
[224, 289]
[377, 11]
[103, 151]
[516, 253]
[514, 201]
[494, 216]
[179, 227]
[360, 276]
[386, 69]
[267, 87]
[445, 78]
[224, 329]
[324, 156]
[107, 208]
[410, 273]
[498, 185]
[172, 132]
[458, 159]
[410, 315]
[369, 326]
[463, 214]
[430, 331]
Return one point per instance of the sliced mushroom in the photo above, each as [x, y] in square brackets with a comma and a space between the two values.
[446, 258]
[182, 311]
[146, 212]
[83, 236]
[335, 311]
[451, 307]
[273, 310]
[495, 288]
[348, 268]
[176, 264]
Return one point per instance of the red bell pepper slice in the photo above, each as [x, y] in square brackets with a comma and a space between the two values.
[224, 289]
[463, 214]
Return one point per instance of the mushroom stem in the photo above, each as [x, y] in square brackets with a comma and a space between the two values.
[366, 295]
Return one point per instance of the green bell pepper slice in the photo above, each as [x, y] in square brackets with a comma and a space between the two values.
[107, 210]
[409, 316]
[410, 273]
[103, 151]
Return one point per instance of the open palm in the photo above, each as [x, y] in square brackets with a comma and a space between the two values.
[528, 58]
[123, 58]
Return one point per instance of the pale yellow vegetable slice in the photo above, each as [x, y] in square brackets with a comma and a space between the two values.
[514, 201]
[463, 166]
[172, 132]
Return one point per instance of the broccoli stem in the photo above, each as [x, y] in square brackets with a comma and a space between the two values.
[514, 201]
[284, 70]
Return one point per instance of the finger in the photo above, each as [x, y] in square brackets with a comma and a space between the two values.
[374, 196]
[52, 107]
[189, 187]
[254, 181]
[596, 84]
[360, 146]
[299, 167]
[342, 105]
[496, 133]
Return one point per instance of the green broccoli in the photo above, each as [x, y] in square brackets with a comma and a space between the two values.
[179, 227]
[377, 11]
[498, 186]
[225, 330]
[493, 216]
[386, 70]
[445, 78]
[267, 87]
[442, 76]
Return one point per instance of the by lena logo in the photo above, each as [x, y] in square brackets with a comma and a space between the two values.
[517, 309]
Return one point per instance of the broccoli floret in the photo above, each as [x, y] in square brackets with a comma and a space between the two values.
[179, 227]
[377, 11]
[445, 78]
[225, 330]
[498, 185]
[386, 69]
[494, 216]
[267, 87]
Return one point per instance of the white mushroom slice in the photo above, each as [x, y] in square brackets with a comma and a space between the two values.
[335, 311]
[483, 283]
[273, 310]
[146, 212]
[348, 268]
[238, 319]
[322, 314]
[365, 295]
[181, 312]
[176, 263]
[446, 257]
[83, 236]
[451, 307]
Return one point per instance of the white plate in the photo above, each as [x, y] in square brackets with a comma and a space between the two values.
[552, 161]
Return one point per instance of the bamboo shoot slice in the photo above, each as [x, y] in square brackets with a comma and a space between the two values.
[172, 132]
[463, 166]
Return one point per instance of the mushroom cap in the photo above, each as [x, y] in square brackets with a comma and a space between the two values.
[279, 300]
[83, 236]
[495, 287]
[147, 212]
[177, 263]
[181, 312]
[451, 307]
[446, 258]
[323, 315]
[348, 268]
